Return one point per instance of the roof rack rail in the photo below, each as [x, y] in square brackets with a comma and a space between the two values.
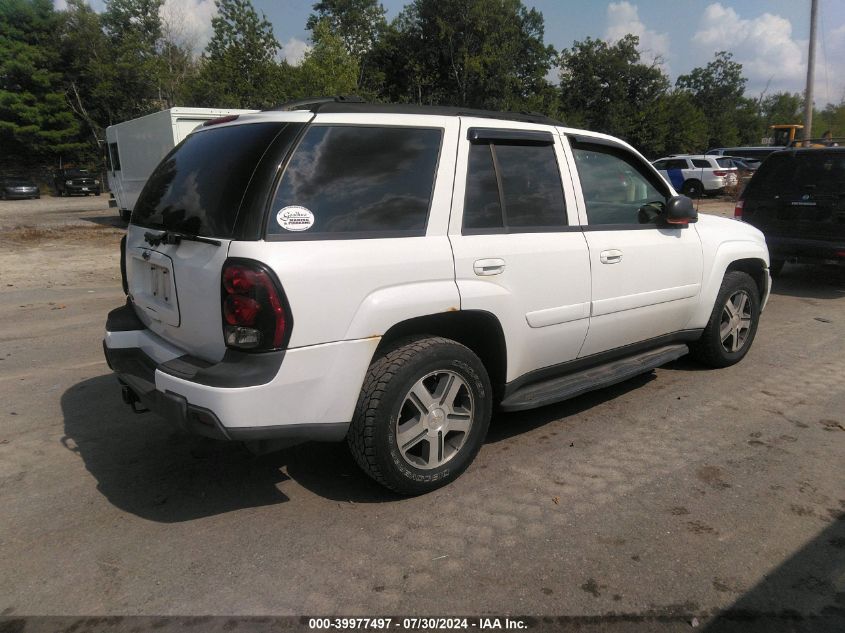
[300, 104]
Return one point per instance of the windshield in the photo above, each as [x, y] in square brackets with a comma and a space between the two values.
[198, 187]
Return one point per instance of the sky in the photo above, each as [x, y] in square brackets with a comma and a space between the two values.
[768, 37]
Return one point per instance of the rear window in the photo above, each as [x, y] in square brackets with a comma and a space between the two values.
[199, 186]
[809, 172]
[350, 181]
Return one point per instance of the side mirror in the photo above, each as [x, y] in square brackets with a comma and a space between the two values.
[680, 210]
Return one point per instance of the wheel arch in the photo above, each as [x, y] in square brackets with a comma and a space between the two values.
[756, 269]
[478, 330]
[744, 256]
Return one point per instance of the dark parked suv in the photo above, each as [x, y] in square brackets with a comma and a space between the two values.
[76, 181]
[797, 199]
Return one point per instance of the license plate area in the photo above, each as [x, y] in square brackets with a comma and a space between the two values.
[153, 286]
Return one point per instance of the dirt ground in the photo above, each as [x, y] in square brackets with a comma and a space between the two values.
[684, 496]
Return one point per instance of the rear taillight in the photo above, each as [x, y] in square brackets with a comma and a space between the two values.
[255, 312]
[738, 209]
[719, 172]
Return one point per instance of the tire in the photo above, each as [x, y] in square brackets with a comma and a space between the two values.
[389, 400]
[776, 267]
[693, 189]
[716, 348]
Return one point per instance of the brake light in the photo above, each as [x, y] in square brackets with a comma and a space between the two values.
[738, 209]
[719, 172]
[255, 312]
[221, 119]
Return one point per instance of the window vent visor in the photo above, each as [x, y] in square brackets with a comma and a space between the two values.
[520, 137]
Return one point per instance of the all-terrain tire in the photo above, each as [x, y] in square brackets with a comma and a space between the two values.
[711, 349]
[373, 434]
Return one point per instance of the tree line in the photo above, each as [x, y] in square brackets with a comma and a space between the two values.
[67, 75]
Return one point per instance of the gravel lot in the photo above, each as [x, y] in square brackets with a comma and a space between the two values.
[684, 493]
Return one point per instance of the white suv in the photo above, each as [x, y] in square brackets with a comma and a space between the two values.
[390, 274]
[695, 176]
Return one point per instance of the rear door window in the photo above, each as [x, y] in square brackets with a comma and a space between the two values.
[199, 186]
[350, 181]
[513, 187]
[700, 163]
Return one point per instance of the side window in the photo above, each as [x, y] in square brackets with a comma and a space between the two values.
[660, 165]
[700, 163]
[677, 163]
[617, 187]
[114, 157]
[482, 207]
[513, 188]
[357, 181]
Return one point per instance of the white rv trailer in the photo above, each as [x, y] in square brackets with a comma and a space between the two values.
[136, 147]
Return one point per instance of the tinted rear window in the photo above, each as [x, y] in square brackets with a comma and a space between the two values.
[803, 172]
[700, 163]
[348, 181]
[199, 186]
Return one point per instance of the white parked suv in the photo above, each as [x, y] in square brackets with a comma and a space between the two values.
[695, 176]
[391, 274]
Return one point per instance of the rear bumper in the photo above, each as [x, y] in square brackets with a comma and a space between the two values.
[14, 194]
[786, 247]
[296, 395]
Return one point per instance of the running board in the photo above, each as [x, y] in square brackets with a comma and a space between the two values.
[553, 390]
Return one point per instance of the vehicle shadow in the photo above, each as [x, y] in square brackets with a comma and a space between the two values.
[810, 281]
[804, 594]
[144, 466]
[112, 221]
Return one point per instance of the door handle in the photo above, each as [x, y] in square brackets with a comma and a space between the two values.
[484, 267]
[612, 256]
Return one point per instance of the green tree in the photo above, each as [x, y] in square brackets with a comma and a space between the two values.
[86, 59]
[685, 125]
[328, 68]
[133, 30]
[238, 68]
[475, 53]
[718, 90]
[605, 87]
[358, 23]
[35, 120]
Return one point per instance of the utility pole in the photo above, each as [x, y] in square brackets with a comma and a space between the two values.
[811, 68]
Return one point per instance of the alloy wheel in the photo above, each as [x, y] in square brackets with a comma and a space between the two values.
[435, 420]
[735, 325]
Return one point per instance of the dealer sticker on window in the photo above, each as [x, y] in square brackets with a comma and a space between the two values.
[295, 218]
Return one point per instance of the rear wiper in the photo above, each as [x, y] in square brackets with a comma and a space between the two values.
[174, 237]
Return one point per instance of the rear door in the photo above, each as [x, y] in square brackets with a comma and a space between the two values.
[519, 251]
[646, 276]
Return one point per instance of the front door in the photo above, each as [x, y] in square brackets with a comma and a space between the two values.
[646, 275]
